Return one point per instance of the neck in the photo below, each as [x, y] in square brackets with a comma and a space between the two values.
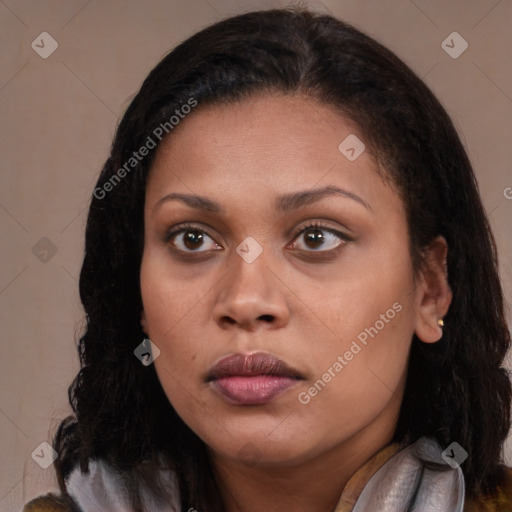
[314, 485]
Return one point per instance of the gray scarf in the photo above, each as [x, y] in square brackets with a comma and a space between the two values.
[416, 479]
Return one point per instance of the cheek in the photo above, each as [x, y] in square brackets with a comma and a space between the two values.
[370, 322]
[373, 301]
[171, 310]
[168, 299]
[181, 360]
[358, 374]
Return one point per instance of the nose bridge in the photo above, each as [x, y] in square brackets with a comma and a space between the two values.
[249, 278]
[249, 293]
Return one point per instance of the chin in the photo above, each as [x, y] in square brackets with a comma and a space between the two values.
[252, 451]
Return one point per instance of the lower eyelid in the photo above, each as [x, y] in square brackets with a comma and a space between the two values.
[319, 256]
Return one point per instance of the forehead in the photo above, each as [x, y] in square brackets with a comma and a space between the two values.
[261, 146]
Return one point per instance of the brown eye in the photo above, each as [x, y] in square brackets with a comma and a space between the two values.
[191, 239]
[314, 238]
[318, 238]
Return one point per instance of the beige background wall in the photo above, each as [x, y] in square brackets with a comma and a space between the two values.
[58, 117]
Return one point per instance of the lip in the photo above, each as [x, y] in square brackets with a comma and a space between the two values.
[252, 379]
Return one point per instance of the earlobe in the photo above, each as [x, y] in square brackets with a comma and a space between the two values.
[434, 292]
[143, 322]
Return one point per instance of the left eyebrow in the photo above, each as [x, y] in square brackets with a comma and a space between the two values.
[296, 200]
[283, 203]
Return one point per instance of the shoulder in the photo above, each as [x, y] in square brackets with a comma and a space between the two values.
[103, 487]
[500, 501]
[50, 503]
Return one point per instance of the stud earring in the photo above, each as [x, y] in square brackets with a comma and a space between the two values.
[440, 322]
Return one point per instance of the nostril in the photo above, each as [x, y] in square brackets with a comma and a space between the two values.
[267, 318]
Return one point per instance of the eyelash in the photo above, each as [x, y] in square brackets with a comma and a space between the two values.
[310, 226]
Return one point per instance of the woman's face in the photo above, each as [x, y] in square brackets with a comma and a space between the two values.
[277, 347]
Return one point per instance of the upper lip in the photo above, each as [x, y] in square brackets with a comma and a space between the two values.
[247, 365]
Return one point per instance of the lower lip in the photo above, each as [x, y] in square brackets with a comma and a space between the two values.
[256, 390]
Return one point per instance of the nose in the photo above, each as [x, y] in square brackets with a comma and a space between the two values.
[251, 297]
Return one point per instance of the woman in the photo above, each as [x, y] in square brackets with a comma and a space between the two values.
[291, 290]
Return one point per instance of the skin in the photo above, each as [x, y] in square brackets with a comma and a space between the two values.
[276, 456]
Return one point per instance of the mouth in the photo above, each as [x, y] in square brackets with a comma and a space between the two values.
[252, 379]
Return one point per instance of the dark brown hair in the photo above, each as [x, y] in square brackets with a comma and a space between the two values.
[456, 388]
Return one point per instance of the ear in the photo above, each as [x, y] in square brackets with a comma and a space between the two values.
[434, 293]
[143, 322]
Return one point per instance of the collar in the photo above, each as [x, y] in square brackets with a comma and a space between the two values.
[356, 484]
[399, 478]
